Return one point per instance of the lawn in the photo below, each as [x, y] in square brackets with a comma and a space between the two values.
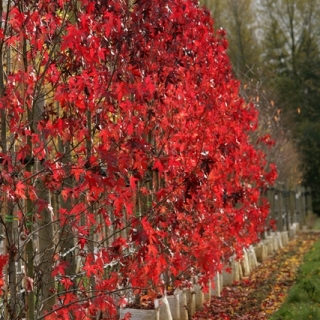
[303, 300]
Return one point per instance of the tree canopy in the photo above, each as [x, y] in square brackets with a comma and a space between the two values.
[124, 147]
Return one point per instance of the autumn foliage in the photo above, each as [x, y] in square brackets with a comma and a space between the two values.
[122, 128]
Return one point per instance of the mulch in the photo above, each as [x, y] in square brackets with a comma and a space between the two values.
[258, 296]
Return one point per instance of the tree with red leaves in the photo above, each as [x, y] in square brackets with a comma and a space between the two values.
[125, 146]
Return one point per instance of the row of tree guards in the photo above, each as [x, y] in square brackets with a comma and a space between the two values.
[288, 206]
[290, 209]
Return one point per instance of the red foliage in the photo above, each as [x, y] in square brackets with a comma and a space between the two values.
[144, 99]
[3, 261]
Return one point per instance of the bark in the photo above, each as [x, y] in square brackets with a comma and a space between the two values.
[46, 245]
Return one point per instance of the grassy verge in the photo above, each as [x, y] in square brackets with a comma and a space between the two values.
[317, 224]
[303, 300]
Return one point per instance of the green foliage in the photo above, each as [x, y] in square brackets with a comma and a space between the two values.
[303, 301]
[276, 42]
[238, 18]
[291, 48]
[301, 311]
[309, 143]
[297, 295]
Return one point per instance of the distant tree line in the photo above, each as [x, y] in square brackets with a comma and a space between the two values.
[274, 49]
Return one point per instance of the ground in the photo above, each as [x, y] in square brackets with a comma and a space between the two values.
[260, 295]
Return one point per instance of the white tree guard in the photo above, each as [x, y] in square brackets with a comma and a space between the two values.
[199, 297]
[140, 314]
[164, 309]
[183, 304]
[174, 304]
[261, 252]
[245, 263]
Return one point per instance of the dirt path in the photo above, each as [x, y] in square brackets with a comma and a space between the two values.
[259, 295]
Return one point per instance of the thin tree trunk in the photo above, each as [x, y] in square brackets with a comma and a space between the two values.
[66, 238]
[91, 231]
[46, 251]
[7, 207]
[46, 244]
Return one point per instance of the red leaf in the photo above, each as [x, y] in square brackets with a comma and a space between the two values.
[82, 242]
[60, 269]
[133, 182]
[20, 190]
[158, 166]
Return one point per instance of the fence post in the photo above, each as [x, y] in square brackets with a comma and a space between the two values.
[287, 208]
[303, 206]
[309, 201]
[278, 198]
[292, 201]
[298, 204]
[310, 217]
[271, 199]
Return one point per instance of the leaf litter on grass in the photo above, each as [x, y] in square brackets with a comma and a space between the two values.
[261, 294]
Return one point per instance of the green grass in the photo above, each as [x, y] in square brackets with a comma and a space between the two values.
[317, 224]
[303, 300]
